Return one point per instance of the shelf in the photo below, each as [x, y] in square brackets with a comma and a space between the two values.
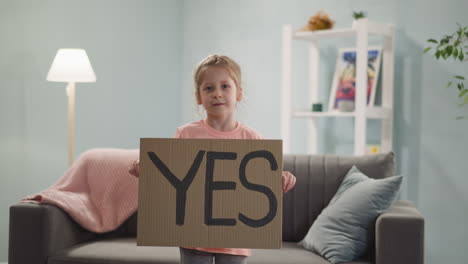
[361, 31]
[371, 113]
[373, 29]
[322, 34]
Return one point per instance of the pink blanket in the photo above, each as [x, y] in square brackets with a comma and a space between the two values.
[96, 191]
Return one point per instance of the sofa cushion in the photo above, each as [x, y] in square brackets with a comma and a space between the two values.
[318, 179]
[290, 252]
[125, 250]
[341, 231]
[115, 250]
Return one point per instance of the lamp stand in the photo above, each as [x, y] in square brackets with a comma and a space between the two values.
[71, 120]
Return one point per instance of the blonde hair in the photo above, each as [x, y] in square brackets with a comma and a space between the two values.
[220, 61]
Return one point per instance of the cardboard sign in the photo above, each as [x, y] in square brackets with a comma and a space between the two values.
[215, 193]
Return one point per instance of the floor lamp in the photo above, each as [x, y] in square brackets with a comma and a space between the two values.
[71, 66]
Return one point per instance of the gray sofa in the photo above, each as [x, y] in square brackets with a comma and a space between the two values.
[45, 234]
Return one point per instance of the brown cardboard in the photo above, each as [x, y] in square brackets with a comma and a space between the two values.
[157, 196]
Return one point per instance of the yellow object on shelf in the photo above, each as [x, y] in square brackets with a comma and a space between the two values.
[372, 149]
[319, 21]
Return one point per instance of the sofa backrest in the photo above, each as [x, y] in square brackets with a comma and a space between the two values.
[318, 179]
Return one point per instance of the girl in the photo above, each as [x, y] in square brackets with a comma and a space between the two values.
[218, 89]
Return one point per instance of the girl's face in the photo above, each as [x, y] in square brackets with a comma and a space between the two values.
[218, 92]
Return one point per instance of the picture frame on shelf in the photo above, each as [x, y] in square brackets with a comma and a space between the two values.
[343, 88]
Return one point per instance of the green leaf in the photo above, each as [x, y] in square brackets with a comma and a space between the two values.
[358, 15]
[437, 54]
[449, 84]
[426, 50]
[461, 56]
[455, 53]
[433, 41]
[460, 31]
[459, 77]
[446, 39]
[466, 99]
[462, 93]
[448, 50]
[442, 53]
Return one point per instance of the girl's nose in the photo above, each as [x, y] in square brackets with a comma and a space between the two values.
[217, 93]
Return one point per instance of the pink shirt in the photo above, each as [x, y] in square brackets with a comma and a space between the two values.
[201, 129]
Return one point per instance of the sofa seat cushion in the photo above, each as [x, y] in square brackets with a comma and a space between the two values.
[124, 250]
[115, 250]
[290, 252]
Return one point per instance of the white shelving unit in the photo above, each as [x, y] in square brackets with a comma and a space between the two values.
[360, 31]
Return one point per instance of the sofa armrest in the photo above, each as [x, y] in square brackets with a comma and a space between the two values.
[400, 235]
[39, 230]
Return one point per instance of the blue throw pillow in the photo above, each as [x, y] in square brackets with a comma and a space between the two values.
[340, 232]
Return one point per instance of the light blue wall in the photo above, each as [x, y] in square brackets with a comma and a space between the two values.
[432, 145]
[134, 47]
[143, 51]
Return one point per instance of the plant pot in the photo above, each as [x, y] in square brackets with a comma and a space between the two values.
[355, 23]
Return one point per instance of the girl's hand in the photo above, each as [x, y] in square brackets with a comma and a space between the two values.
[289, 181]
[134, 168]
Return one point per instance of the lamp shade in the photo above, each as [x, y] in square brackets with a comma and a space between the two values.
[71, 65]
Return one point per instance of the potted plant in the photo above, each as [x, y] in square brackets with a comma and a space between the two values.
[453, 47]
[357, 15]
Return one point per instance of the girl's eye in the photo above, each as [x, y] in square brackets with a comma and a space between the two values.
[225, 86]
[208, 88]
